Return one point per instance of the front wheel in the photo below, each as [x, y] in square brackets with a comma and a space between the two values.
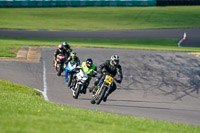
[69, 78]
[77, 91]
[100, 96]
[59, 70]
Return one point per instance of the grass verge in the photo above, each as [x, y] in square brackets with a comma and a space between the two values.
[22, 109]
[100, 18]
[9, 46]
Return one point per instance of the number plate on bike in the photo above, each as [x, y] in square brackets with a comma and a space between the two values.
[109, 79]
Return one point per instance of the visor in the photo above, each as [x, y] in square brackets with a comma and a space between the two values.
[89, 65]
[116, 62]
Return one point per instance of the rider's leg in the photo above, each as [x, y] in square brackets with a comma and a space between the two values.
[113, 88]
[95, 84]
[87, 82]
[73, 82]
[66, 75]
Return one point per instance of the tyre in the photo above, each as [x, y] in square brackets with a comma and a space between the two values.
[58, 70]
[69, 78]
[57, 67]
[92, 101]
[101, 95]
[77, 91]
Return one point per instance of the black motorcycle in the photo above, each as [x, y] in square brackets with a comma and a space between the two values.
[59, 63]
[102, 90]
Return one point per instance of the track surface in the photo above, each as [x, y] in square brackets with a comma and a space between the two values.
[193, 35]
[156, 85]
[159, 85]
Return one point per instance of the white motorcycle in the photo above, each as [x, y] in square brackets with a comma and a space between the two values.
[80, 79]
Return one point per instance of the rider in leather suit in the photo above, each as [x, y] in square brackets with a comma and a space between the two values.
[90, 68]
[112, 68]
[64, 49]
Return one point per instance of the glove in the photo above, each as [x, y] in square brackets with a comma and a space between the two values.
[118, 81]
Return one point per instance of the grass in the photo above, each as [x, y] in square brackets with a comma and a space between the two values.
[100, 18]
[9, 46]
[22, 109]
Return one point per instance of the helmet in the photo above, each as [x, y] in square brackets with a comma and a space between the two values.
[89, 63]
[73, 54]
[66, 45]
[114, 60]
[60, 47]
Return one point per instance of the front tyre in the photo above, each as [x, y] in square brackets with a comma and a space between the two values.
[59, 70]
[101, 95]
[69, 78]
[77, 91]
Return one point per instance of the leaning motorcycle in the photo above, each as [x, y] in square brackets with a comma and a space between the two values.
[70, 71]
[80, 79]
[103, 87]
[59, 63]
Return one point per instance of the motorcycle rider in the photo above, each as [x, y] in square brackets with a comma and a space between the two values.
[112, 68]
[63, 49]
[74, 59]
[91, 69]
[67, 49]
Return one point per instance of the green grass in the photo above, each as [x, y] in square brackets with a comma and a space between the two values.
[22, 109]
[100, 18]
[9, 46]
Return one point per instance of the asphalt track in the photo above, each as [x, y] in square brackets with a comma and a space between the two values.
[193, 35]
[160, 85]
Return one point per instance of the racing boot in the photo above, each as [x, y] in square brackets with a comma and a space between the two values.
[92, 88]
[83, 91]
[105, 98]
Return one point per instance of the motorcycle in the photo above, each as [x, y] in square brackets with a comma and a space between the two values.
[103, 87]
[70, 71]
[80, 79]
[59, 63]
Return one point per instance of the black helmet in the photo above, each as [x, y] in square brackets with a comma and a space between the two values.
[114, 60]
[66, 45]
[89, 63]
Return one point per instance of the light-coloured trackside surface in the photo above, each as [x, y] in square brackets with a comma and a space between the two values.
[26, 54]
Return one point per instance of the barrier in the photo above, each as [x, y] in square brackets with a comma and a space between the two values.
[75, 3]
[177, 2]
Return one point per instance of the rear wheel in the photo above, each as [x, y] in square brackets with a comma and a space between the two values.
[92, 101]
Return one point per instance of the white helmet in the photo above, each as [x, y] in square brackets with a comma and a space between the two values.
[114, 60]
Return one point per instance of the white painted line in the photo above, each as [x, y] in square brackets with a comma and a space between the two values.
[39, 91]
[179, 43]
[44, 79]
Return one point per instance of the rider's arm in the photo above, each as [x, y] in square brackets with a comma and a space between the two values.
[94, 72]
[68, 50]
[68, 60]
[56, 53]
[78, 61]
[100, 68]
[119, 73]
